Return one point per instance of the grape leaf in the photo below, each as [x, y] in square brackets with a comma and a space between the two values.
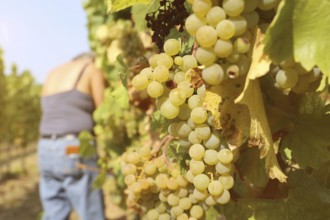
[233, 118]
[122, 69]
[310, 34]
[117, 5]
[309, 146]
[309, 141]
[290, 34]
[139, 12]
[260, 62]
[260, 134]
[279, 36]
[252, 168]
[212, 213]
[306, 199]
[212, 102]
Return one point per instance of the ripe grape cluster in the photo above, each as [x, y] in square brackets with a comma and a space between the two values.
[170, 14]
[223, 34]
[209, 176]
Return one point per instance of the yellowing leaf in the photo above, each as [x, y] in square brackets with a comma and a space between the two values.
[212, 101]
[260, 62]
[260, 134]
[233, 119]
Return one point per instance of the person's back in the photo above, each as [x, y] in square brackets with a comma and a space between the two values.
[67, 100]
[69, 97]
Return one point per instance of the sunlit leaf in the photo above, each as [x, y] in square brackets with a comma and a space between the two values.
[260, 134]
[300, 29]
[212, 102]
[310, 34]
[279, 36]
[139, 12]
[117, 5]
[260, 62]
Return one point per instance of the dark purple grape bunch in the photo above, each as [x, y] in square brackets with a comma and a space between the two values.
[171, 13]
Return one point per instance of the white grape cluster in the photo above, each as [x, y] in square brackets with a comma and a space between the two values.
[160, 190]
[223, 36]
[209, 176]
[155, 188]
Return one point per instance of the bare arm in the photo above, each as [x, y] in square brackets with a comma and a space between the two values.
[97, 85]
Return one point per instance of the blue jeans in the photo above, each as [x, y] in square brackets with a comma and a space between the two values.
[63, 186]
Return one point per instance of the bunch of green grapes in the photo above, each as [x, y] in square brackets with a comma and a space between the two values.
[224, 37]
[160, 190]
[210, 165]
[223, 34]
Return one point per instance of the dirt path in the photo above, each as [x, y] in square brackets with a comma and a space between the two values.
[19, 197]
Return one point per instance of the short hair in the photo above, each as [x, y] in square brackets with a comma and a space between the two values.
[90, 55]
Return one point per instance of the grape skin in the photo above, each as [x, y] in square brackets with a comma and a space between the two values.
[155, 89]
[233, 7]
[286, 78]
[169, 110]
[197, 151]
[201, 182]
[206, 36]
[172, 47]
[140, 82]
[215, 15]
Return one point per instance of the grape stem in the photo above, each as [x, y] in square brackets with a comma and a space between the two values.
[165, 141]
[194, 49]
[165, 147]
[211, 176]
[141, 173]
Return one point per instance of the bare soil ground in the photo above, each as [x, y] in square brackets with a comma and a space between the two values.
[19, 197]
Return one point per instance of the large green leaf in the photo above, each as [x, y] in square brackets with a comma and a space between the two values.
[309, 140]
[139, 12]
[279, 36]
[260, 133]
[252, 168]
[117, 5]
[300, 28]
[311, 33]
[306, 199]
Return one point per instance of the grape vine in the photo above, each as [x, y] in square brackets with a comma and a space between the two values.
[227, 116]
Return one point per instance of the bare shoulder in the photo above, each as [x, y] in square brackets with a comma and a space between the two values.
[94, 72]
